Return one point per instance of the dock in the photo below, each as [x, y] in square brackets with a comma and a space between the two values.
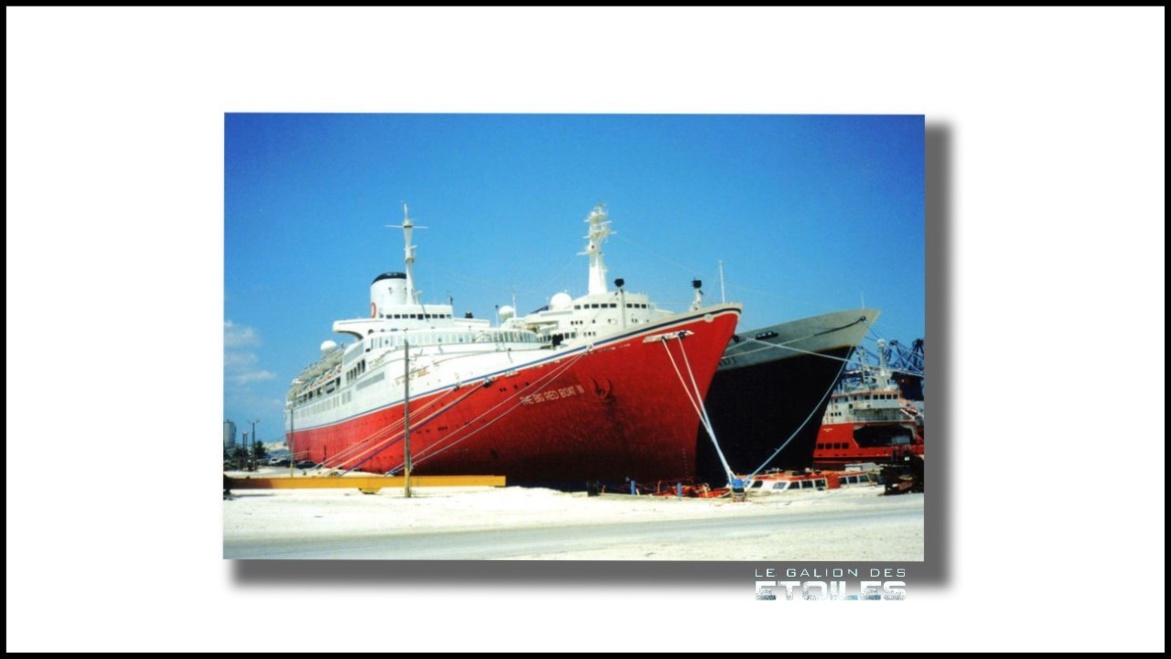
[367, 484]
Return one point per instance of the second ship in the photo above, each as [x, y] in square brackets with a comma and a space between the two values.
[772, 388]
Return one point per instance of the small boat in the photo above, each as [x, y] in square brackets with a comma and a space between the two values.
[776, 482]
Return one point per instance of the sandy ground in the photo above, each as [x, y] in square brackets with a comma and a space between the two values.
[531, 523]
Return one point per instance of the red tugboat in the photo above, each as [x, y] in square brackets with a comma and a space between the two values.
[869, 420]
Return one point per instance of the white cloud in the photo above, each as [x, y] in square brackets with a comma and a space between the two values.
[243, 379]
[241, 366]
[235, 360]
[240, 336]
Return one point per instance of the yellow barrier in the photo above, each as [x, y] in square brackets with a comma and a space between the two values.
[368, 484]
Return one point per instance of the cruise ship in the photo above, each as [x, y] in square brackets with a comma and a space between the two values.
[603, 387]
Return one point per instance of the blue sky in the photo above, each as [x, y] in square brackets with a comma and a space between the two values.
[809, 214]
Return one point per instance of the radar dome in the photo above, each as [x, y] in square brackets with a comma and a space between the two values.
[327, 345]
[561, 301]
[506, 312]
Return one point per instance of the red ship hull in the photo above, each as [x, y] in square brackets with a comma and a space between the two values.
[623, 409]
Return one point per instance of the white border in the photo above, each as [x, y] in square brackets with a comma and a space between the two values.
[114, 206]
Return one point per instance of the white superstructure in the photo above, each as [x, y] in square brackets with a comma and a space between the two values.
[369, 373]
[568, 321]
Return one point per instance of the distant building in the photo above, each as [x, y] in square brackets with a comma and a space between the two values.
[229, 435]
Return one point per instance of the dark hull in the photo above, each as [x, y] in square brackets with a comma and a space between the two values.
[754, 410]
[775, 382]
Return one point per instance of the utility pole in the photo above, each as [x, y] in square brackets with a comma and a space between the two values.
[292, 427]
[407, 417]
[620, 282]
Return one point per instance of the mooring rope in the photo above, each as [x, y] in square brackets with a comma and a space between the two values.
[358, 449]
[813, 411]
[703, 418]
[435, 449]
[398, 436]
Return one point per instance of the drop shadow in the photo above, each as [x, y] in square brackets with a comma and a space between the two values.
[940, 259]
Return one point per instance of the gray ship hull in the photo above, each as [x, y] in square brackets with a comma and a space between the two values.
[773, 383]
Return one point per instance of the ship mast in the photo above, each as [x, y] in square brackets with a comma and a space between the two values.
[408, 227]
[599, 231]
[884, 374]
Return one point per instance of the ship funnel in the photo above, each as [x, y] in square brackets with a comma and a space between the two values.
[387, 290]
[698, 301]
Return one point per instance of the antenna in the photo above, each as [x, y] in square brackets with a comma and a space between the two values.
[722, 298]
